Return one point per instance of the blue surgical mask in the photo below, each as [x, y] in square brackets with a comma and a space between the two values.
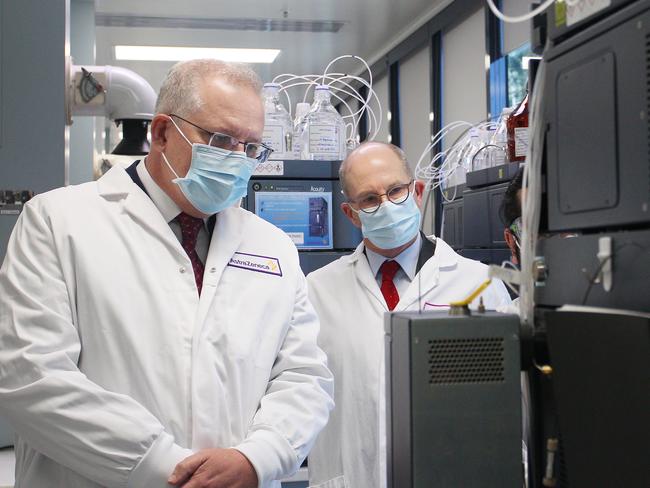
[392, 225]
[217, 178]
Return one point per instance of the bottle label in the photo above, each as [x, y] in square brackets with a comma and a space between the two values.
[324, 140]
[297, 147]
[521, 141]
[273, 137]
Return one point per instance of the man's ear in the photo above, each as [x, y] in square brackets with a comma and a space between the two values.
[159, 126]
[512, 245]
[350, 214]
[418, 192]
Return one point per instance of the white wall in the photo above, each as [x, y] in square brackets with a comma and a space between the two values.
[464, 90]
[415, 106]
[514, 35]
[464, 95]
[380, 86]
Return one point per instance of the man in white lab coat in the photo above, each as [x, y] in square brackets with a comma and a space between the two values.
[394, 268]
[153, 333]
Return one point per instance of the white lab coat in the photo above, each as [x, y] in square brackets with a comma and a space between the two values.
[112, 369]
[351, 451]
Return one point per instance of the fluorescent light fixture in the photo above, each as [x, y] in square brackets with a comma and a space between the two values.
[174, 53]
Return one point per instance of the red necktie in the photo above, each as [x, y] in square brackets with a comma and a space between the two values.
[388, 270]
[190, 227]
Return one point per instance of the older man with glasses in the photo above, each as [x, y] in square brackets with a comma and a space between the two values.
[398, 268]
[153, 333]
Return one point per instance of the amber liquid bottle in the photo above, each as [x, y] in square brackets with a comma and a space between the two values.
[517, 126]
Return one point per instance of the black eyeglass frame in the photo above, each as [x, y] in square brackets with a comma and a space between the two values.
[262, 157]
[374, 209]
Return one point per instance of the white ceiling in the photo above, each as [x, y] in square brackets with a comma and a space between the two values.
[371, 28]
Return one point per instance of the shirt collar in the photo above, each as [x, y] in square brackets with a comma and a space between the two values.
[407, 259]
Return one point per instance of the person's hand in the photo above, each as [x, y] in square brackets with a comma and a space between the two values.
[214, 468]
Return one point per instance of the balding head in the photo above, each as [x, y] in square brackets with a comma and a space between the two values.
[368, 155]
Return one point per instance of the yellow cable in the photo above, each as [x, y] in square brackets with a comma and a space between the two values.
[471, 298]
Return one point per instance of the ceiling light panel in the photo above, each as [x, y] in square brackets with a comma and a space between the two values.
[176, 53]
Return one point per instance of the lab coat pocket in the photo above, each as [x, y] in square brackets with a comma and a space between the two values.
[248, 316]
[338, 482]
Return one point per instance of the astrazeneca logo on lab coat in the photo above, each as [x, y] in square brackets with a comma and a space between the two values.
[255, 262]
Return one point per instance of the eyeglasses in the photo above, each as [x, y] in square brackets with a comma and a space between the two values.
[255, 150]
[370, 203]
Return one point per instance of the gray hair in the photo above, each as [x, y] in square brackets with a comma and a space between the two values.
[396, 150]
[180, 90]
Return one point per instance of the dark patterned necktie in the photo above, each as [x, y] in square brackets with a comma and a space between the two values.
[190, 228]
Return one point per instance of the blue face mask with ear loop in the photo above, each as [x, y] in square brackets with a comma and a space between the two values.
[217, 178]
[392, 225]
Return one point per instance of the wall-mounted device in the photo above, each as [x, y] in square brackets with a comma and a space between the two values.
[118, 94]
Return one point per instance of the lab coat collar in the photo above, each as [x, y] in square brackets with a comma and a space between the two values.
[117, 186]
[116, 182]
[364, 274]
[445, 256]
[358, 253]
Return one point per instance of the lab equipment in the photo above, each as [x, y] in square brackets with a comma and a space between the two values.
[472, 223]
[472, 149]
[346, 89]
[305, 216]
[499, 139]
[586, 295]
[278, 127]
[303, 200]
[517, 130]
[323, 137]
[602, 398]
[453, 400]
[302, 109]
